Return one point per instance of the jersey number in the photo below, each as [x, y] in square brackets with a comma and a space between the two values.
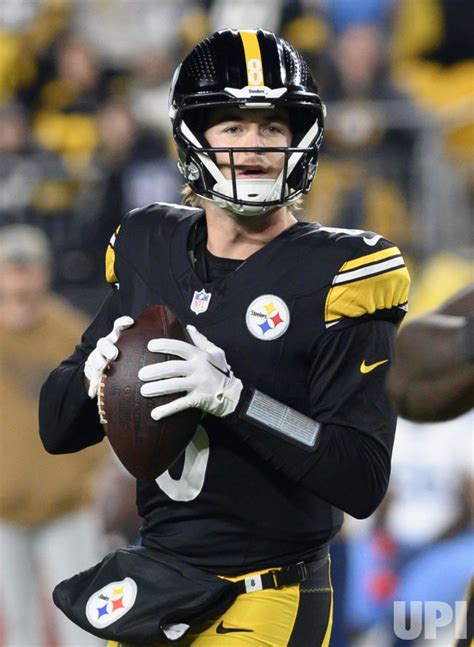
[191, 481]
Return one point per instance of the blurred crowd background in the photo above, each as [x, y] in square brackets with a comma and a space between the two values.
[85, 136]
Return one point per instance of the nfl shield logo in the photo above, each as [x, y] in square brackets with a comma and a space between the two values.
[200, 301]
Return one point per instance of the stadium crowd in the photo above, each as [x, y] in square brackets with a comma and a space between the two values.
[85, 137]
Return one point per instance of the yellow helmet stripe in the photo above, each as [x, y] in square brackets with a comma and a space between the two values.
[253, 58]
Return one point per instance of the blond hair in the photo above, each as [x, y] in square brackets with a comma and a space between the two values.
[192, 199]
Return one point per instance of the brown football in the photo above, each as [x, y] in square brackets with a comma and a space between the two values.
[145, 447]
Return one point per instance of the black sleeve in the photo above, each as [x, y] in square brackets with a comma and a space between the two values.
[350, 464]
[68, 418]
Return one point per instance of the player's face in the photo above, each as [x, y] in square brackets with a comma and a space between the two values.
[233, 127]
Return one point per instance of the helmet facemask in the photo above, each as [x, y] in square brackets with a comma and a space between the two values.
[246, 197]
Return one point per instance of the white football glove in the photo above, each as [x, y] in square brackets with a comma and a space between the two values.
[104, 353]
[202, 373]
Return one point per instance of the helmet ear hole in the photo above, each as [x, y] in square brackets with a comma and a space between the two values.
[190, 172]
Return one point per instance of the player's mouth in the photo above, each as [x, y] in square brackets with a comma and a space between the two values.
[250, 172]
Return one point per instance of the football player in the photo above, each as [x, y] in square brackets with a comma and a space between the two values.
[292, 326]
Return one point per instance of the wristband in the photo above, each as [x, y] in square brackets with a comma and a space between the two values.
[277, 418]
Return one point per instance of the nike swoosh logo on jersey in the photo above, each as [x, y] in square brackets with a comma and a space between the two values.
[229, 630]
[366, 368]
[371, 241]
[226, 373]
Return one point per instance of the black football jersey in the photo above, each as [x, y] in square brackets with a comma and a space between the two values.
[308, 320]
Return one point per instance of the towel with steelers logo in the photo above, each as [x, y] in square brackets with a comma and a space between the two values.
[139, 595]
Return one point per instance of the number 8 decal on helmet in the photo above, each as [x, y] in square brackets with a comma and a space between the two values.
[254, 70]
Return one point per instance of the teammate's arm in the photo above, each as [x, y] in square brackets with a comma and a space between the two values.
[432, 378]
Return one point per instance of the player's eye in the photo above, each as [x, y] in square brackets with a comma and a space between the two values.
[232, 129]
[275, 129]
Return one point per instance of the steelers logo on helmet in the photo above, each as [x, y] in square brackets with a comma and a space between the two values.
[245, 69]
[267, 317]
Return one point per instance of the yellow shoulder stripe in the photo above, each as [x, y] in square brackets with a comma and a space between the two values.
[367, 294]
[110, 274]
[370, 258]
[253, 58]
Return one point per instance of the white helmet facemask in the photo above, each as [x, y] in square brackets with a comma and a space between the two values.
[238, 195]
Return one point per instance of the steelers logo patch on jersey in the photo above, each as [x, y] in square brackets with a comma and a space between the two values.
[267, 317]
[111, 602]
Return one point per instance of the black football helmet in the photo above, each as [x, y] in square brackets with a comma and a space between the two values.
[247, 69]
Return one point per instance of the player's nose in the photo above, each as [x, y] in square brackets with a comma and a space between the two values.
[252, 136]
